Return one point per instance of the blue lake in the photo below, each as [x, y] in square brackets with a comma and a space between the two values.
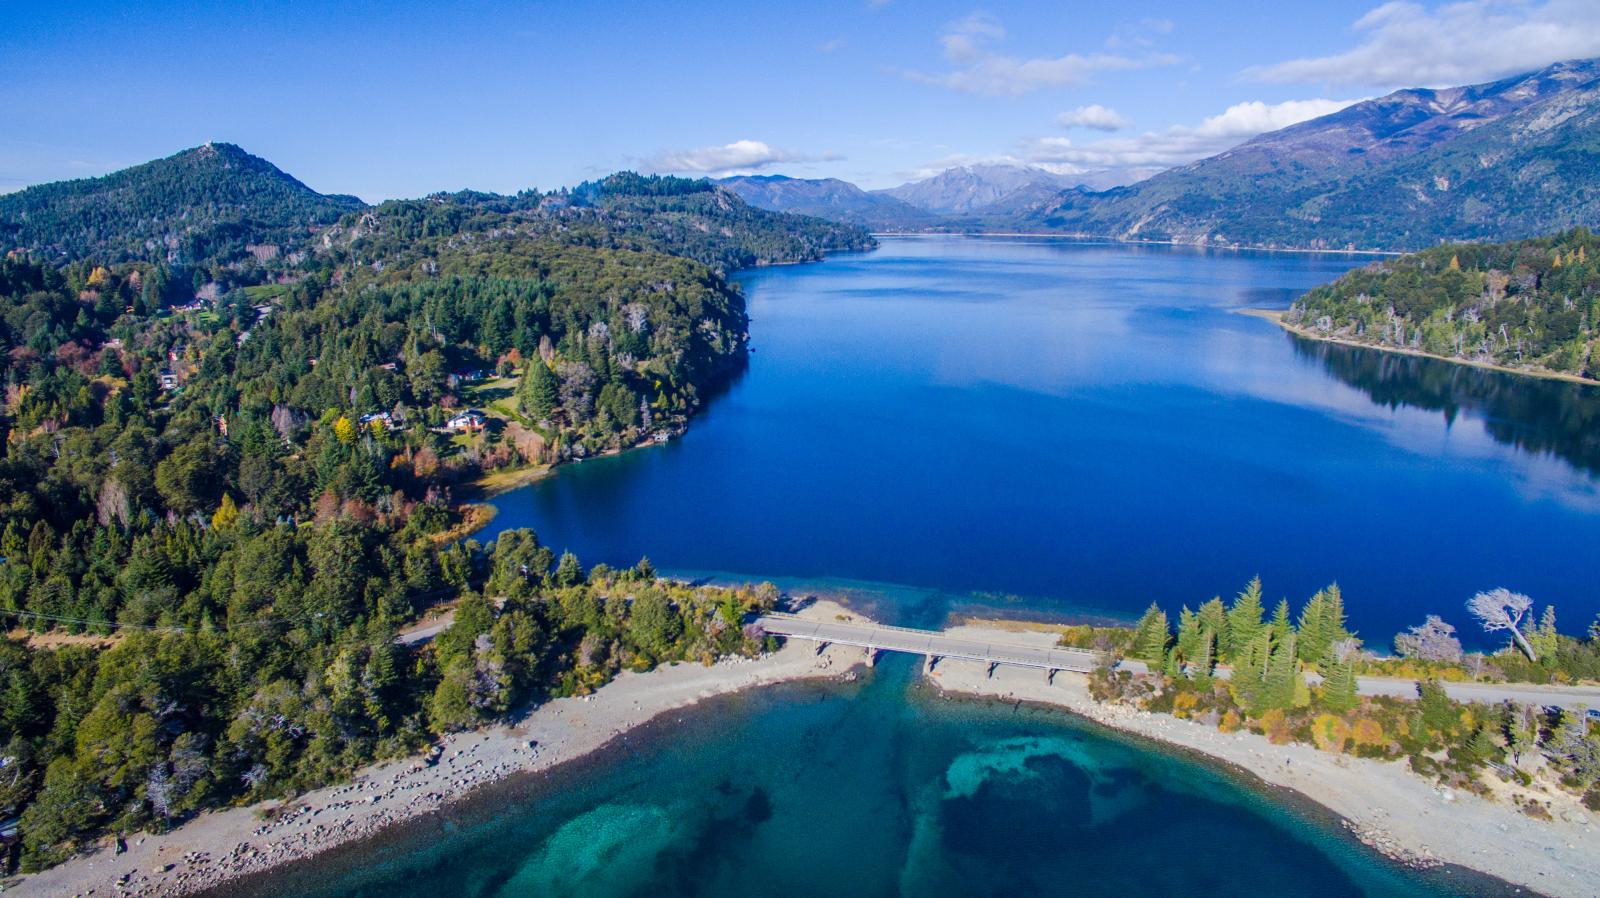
[1063, 429]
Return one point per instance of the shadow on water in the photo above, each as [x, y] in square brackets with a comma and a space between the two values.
[1531, 414]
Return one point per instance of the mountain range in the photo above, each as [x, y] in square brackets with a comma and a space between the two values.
[1507, 159]
[931, 203]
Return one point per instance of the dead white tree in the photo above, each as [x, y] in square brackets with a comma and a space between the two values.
[1502, 609]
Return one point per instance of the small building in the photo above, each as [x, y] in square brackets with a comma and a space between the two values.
[386, 419]
[469, 421]
[169, 381]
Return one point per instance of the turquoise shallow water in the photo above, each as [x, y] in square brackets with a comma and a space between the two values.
[1059, 428]
[876, 788]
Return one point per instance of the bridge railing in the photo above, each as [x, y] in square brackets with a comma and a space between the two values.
[973, 649]
[785, 615]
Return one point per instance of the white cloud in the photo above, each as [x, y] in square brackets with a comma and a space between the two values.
[831, 45]
[1139, 34]
[1180, 144]
[977, 69]
[1406, 44]
[1100, 118]
[739, 156]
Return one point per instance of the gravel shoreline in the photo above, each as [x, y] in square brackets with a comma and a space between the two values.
[222, 846]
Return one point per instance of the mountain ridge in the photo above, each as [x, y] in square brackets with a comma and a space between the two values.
[208, 201]
[1505, 159]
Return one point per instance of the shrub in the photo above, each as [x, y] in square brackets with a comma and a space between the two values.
[1275, 724]
[1368, 733]
[1330, 732]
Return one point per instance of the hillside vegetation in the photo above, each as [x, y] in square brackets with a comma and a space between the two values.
[243, 471]
[1529, 304]
[203, 204]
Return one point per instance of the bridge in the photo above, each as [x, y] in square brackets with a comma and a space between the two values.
[932, 645]
[935, 646]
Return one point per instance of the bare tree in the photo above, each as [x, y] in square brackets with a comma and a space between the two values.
[1434, 640]
[1502, 609]
[1345, 649]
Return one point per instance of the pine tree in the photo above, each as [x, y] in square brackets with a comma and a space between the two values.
[1244, 622]
[1188, 633]
[1250, 667]
[539, 392]
[1201, 662]
[1322, 625]
[1338, 623]
[1278, 683]
[227, 514]
[1281, 627]
[1486, 745]
[1339, 687]
[1213, 617]
[1150, 636]
[1544, 637]
[1312, 628]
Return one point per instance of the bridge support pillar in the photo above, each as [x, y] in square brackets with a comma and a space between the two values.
[992, 666]
[821, 647]
[872, 656]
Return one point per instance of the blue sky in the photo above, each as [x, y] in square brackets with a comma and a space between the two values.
[401, 99]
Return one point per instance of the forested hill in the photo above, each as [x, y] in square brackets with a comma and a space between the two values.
[1529, 304]
[204, 204]
[713, 225]
[227, 481]
[694, 219]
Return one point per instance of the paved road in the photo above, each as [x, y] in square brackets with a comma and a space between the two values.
[937, 644]
[424, 631]
[1490, 693]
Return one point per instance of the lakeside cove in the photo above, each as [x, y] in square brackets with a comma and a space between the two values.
[1381, 803]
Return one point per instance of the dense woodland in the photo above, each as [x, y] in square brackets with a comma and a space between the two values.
[1265, 689]
[208, 203]
[1528, 304]
[239, 419]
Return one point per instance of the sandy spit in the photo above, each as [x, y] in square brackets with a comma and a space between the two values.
[1276, 316]
[222, 845]
[1382, 802]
